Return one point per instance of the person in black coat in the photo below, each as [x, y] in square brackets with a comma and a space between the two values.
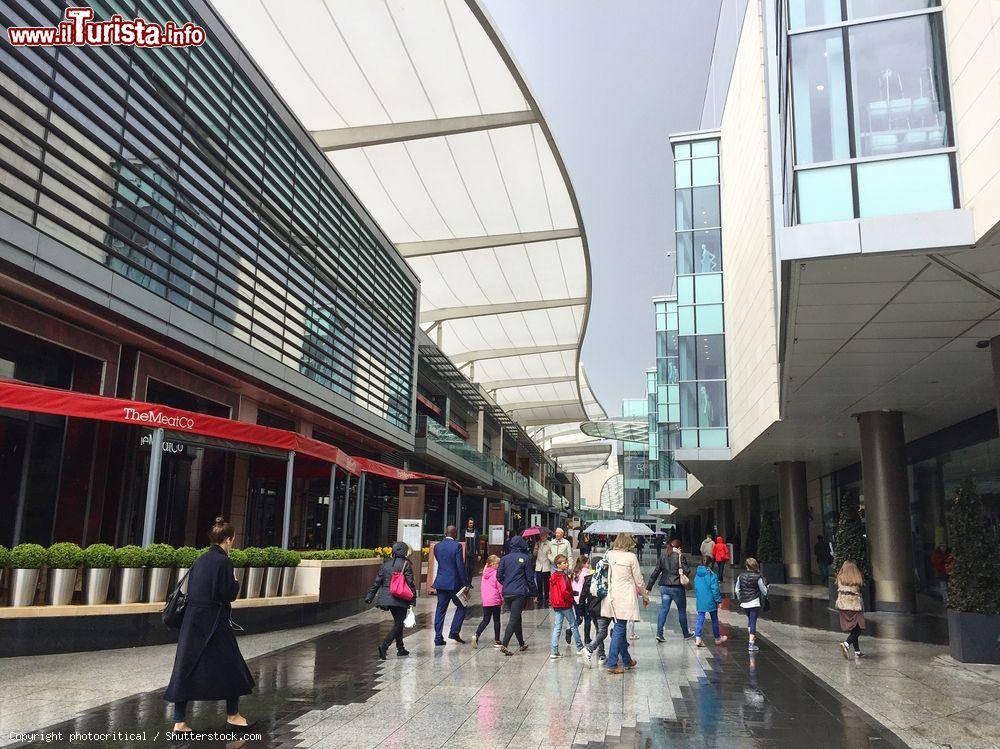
[208, 664]
[516, 573]
[382, 596]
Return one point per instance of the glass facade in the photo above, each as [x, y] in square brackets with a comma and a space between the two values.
[871, 125]
[697, 315]
[634, 463]
[170, 168]
[665, 408]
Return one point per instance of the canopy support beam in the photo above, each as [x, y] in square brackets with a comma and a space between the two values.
[286, 522]
[153, 486]
[329, 508]
[342, 138]
[503, 308]
[485, 241]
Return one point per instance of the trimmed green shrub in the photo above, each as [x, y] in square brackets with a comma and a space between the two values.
[99, 557]
[972, 583]
[292, 559]
[131, 557]
[4, 557]
[849, 541]
[255, 557]
[64, 555]
[27, 557]
[238, 557]
[185, 556]
[161, 555]
[337, 554]
[274, 556]
[768, 542]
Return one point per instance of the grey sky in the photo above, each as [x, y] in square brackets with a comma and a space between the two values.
[614, 78]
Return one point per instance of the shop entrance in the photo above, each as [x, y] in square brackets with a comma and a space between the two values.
[30, 458]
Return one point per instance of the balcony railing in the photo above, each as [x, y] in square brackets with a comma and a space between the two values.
[504, 472]
[538, 492]
[444, 437]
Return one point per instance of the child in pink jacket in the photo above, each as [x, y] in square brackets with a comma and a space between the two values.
[492, 593]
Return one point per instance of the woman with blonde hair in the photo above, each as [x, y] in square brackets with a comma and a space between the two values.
[850, 605]
[624, 581]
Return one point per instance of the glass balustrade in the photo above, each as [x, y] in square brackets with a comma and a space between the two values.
[444, 437]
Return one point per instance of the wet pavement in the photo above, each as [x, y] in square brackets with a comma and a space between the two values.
[331, 691]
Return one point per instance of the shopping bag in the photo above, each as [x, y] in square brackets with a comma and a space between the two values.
[399, 587]
[411, 618]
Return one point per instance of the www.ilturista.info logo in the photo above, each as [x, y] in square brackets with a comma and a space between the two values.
[80, 30]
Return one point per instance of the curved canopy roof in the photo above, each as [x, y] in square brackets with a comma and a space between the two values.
[613, 494]
[422, 110]
[573, 450]
[621, 428]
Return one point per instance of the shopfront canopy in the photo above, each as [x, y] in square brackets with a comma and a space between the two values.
[20, 397]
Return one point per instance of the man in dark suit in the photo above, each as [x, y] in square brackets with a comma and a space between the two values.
[451, 578]
[471, 542]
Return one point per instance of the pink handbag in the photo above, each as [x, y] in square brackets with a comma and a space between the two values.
[398, 586]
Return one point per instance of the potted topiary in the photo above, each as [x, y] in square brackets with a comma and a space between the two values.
[98, 561]
[973, 591]
[239, 559]
[256, 562]
[274, 557]
[131, 560]
[849, 544]
[25, 560]
[291, 561]
[64, 560]
[185, 557]
[769, 549]
[160, 560]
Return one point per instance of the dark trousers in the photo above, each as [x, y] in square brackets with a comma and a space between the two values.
[542, 586]
[180, 709]
[583, 615]
[852, 638]
[398, 615]
[597, 644]
[444, 596]
[516, 604]
[720, 569]
[490, 612]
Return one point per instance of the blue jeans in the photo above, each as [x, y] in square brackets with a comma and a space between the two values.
[698, 625]
[619, 646]
[752, 614]
[675, 594]
[444, 596]
[569, 616]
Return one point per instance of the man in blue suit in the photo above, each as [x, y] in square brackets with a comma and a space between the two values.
[450, 579]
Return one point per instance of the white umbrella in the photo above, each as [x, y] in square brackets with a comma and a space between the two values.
[614, 527]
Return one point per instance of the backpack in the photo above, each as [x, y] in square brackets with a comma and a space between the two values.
[599, 581]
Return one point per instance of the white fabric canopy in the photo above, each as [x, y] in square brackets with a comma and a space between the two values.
[422, 110]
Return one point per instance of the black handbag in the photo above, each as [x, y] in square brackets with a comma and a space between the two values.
[765, 603]
[173, 612]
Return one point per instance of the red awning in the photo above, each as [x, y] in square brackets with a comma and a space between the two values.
[20, 397]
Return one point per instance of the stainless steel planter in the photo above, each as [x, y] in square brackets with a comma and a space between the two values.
[131, 584]
[23, 585]
[182, 572]
[288, 581]
[61, 585]
[271, 582]
[240, 574]
[95, 586]
[255, 575]
[159, 582]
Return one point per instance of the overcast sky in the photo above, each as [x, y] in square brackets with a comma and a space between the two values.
[613, 79]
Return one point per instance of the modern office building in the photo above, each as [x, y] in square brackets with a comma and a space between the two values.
[231, 283]
[860, 197]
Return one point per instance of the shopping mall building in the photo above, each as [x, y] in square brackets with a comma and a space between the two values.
[836, 245]
[235, 283]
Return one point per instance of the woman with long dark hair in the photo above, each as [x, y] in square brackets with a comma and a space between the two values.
[208, 664]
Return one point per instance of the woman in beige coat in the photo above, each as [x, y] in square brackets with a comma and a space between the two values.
[624, 581]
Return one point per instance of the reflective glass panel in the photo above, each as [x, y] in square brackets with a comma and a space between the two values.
[711, 353]
[708, 318]
[819, 97]
[706, 207]
[685, 320]
[707, 251]
[689, 404]
[685, 260]
[711, 404]
[688, 357]
[905, 186]
[869, 8]
[899, 86]
[682, 174]
[683, 207]
[705, 148]
[705, 171]
[689, 438]
[713, 437]
[685, 289]
[803, 13]
[825, 194]
[682, 151]
[708, 288]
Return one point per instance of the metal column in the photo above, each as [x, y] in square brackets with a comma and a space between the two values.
[329, 509]
[484, 526]
[458, 510]
[22, 491]
[445, 528]
[359, 516]
[153, 486]
[286, 522]
[347, 506]
[794, 507]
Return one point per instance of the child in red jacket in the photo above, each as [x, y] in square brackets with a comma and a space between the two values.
[561, 600]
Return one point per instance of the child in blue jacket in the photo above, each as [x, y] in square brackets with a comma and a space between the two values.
[708, 597]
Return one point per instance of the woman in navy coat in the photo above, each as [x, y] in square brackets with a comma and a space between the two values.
[208, 664]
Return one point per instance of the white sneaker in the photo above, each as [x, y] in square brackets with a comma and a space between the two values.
[588, 658]
[475, 641]
[581, 651]
[555, 655]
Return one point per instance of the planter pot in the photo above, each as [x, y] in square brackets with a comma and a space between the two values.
[159, 582]
[240, 574]
[61, 585]
[131, 584]
[255, 576]
[773, 572]
[23, 585]
[181, 573]
[271, 582]
[288, 581]
[95, 585]
[974, 638]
